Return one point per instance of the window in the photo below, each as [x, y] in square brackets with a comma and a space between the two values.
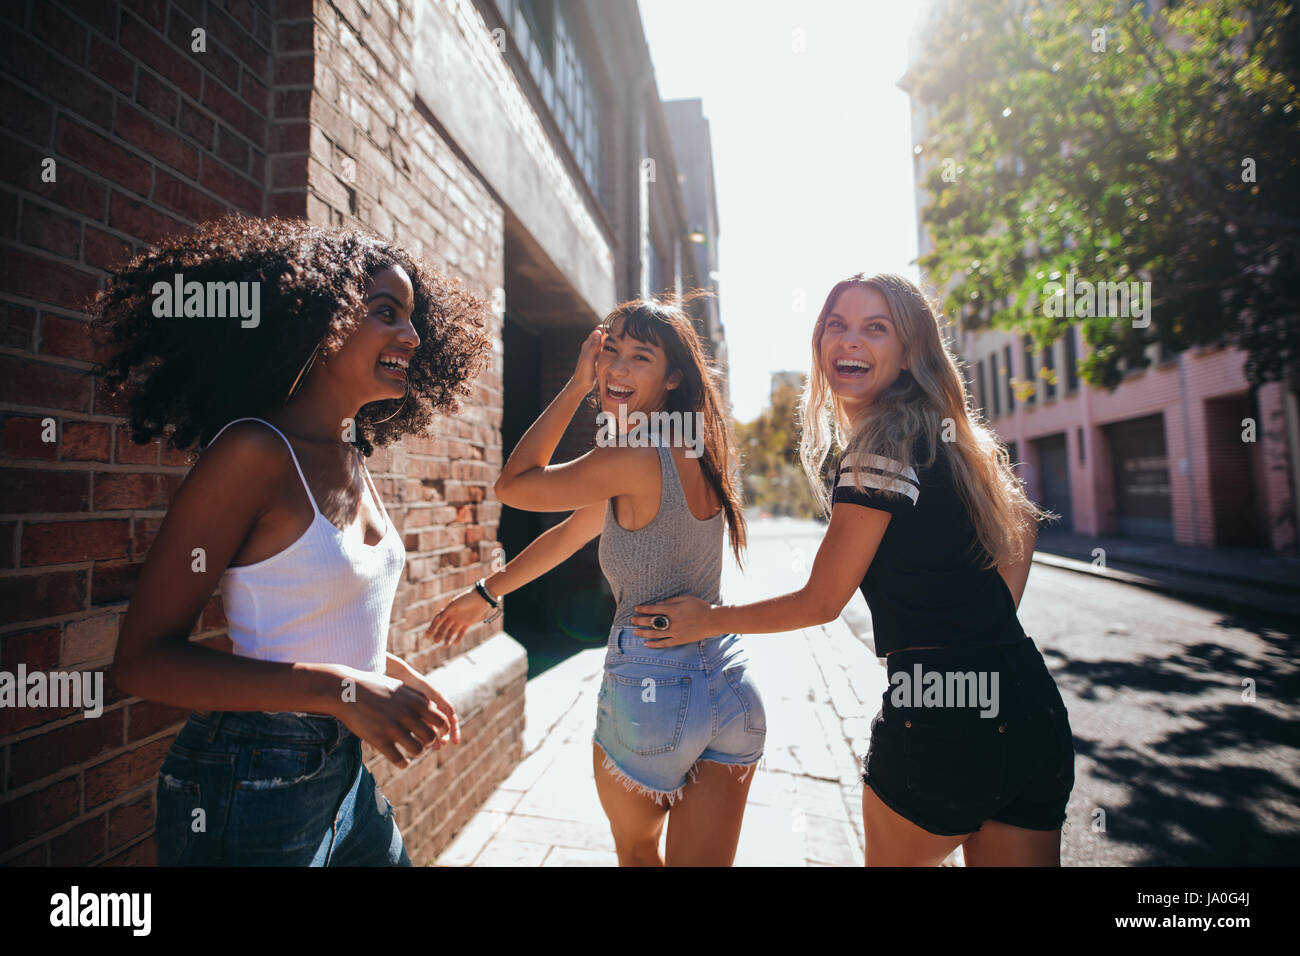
[1029, 368]
[1049, 366]
[993, 382]
[1007, 373]
[1081, 456]
[1071, 363]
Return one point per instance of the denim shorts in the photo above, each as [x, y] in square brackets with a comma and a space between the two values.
[274, 789]
[936, 761]
[662, 710]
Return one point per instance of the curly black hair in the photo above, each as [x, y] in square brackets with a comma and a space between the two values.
[188, 377]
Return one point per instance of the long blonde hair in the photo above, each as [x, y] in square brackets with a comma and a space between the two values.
[928, 397]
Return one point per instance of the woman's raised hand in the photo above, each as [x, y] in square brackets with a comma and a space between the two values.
[584, 373]
[458, 616]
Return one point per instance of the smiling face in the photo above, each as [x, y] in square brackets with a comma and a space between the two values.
[860, 352]
[372, 362]
[633, 374]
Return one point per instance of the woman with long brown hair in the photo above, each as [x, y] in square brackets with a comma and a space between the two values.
[683, 726]
[972, 746]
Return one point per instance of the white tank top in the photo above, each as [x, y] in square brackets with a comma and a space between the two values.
[325, 599]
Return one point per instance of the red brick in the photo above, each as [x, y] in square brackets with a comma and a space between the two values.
[31, 490]
[97, 153]
[117, 775]
[163, 144]
[144, 853]
[129, 453]
[109, 64]
[88, 640]
[47, 280]
[66, 542]
[148, 47]
[8, 533]
[103, 250]
[148, 717]
[86, 441]
[81, 844]
[45, 229]
[175, 456]
[45, 754]
[30, 816]
[17, 326]
[38, 855]
[196, 125]
[38, 649]
[112, 583]
[140, 219]
[29, 117]
[183, 198]
[156, 97]
[22, 438]
[239, 192]
[25, 57]
[235, 112]
[57, 30]
[75, 191]
[127, 821]
[238, 41]
[117, 491]
[67, 338]
[30, 597]
[143, 532]
[232, 149]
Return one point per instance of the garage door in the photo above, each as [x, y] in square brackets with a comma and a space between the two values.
[1141, 477]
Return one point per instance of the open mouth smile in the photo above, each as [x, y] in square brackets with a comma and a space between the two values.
[851, 368]
[618, 393]
[395, 365]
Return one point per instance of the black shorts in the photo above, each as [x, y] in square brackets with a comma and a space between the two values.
[936, 761]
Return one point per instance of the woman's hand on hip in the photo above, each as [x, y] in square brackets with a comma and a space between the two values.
[688, 621]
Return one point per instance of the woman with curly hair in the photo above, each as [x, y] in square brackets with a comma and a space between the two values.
[972, 746]
[354, 344]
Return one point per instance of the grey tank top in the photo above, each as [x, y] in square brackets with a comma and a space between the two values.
[676, 553]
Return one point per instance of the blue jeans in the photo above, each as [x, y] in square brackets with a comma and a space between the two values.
[271, 789]
[663, 710]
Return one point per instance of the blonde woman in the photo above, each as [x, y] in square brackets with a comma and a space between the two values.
[972, 746]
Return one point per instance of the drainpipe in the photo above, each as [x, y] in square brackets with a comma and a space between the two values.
[1187, 445]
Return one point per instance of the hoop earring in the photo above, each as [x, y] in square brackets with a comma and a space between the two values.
[382, 420]
[311, 360]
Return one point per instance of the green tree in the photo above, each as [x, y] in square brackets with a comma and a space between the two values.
[1082, 137]
[774, 480]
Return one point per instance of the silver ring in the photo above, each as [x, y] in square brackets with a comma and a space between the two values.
[660, 622]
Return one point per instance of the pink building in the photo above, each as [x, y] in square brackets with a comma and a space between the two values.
[1182, 451]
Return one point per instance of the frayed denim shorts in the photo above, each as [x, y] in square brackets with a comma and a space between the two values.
[271, 789]
[663, 710]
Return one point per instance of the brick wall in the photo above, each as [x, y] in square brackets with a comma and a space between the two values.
[294, 108]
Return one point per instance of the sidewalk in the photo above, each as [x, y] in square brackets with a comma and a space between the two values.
[821, 688]
[1243, 577]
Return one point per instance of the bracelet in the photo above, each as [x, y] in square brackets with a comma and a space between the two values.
[481, 588]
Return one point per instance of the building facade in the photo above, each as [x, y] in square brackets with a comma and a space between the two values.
[518, 144]
[1185, 450]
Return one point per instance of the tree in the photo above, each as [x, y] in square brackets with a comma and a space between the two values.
[769, 449]
[1080, 138]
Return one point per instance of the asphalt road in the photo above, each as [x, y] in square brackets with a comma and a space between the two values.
[1185, 718]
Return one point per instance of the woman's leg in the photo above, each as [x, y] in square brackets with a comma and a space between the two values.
[1000, 844]
[704, 826]
[635, 819]
[894, 840]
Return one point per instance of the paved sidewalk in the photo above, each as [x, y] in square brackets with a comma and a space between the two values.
[1243, 577]
[821, 688]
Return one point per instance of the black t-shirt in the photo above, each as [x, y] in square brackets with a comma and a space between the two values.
[926, 586]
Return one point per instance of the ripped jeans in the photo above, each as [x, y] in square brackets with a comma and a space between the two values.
[663, 710]
[271, 789]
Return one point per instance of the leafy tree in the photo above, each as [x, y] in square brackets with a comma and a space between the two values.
[1082, 137]
[774, 480]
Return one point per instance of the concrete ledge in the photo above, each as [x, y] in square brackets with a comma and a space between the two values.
[474, 679]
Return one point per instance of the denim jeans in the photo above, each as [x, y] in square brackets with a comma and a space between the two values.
[271, 789]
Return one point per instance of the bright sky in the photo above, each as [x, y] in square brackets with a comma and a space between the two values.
[812, 158]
